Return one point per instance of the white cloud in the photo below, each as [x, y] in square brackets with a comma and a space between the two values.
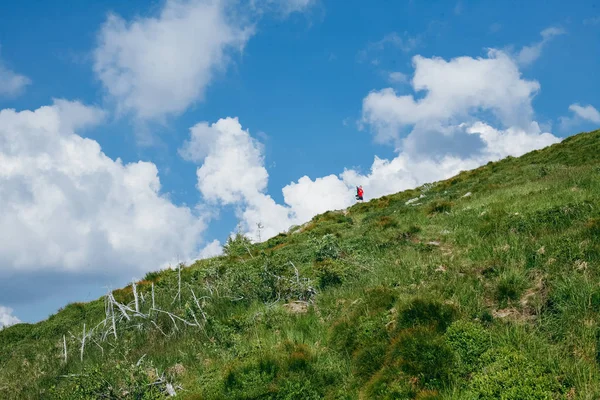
[445, 128]
[66, 206]
[397, 77]
[6, 317]
[455, 90]
[581, 115]
[308, 198]
[212, 249]
[232, 168]
[232, 172]
[589, 113]
[159, 66]
[529, 54]
[11, 83]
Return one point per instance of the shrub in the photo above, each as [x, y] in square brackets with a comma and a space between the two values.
[469, 341]
[439, 207]
[427, 313]
[369, 359]
[342, 336]
[330, 273]
[328, 248]
[507, 374]
[422, 353]
[380, 298]
[250, 379]
[388, 384]
[593, 227]
[387, 222]
[237, 246]
[299, 357]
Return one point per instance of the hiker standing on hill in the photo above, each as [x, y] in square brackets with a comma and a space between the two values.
[359, 193]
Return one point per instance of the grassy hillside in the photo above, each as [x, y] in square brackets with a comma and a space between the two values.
[483, 286]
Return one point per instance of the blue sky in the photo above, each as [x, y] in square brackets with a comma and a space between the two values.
[293, 103]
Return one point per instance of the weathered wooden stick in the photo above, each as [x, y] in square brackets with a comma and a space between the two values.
[83, 342]
[153, 305]
[137, 305]
[65, 347]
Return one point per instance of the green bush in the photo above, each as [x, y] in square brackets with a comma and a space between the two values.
[425, 312]
[389, 384]
[507, 374]
[237, 246]
[469, 341]
[369, 359]
[439, 207]
[328, 248]
[422, 353]
[251, 379]
[330, 273]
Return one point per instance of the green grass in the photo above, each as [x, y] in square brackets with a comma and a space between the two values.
[493, 295]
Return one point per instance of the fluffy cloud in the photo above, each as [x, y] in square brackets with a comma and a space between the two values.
[6, 317]
[212, 249]
[456, 91]
[66, 206]
[11, 83]
[232, 172]
[581, 115]
[529, 54]
[589, 113]
[233, 169]
[308, 198]
[156, 66]
[443, 132]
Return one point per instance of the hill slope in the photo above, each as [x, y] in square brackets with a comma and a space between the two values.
[482, 286]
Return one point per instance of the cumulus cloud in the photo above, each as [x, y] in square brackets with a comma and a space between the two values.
[232, 172]
[11, 83]
[232, 168]
[158, 66]
[212, 249]
[529, 54]
[445, 130]
[455, 91]
[66, 206]
[6, 317]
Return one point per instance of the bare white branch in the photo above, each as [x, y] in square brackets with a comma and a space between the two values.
[153, 305]
[65, 348]
[135, 296]
[82, 342]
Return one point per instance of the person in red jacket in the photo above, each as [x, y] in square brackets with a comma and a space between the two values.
[359, 193]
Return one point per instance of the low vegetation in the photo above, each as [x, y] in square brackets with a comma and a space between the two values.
[483, 286]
